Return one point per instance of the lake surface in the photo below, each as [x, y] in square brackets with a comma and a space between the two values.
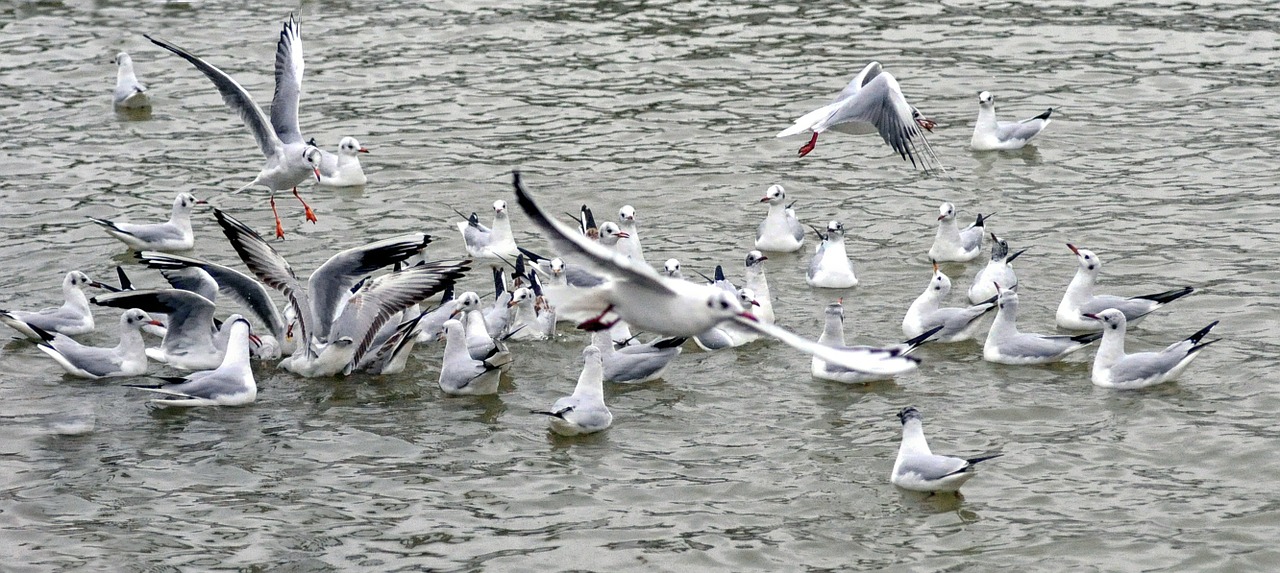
[1161, 158]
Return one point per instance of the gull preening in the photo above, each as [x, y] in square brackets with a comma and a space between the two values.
[230, 384]
[584, 411]
[128, 358]
[830, 266]
[129, 94]
[955, 245]
[780, 231]
[72, 318]
[343, 168]
[919, 469]
[999, 271]
[991, 135]
[290, 160]
[1112, 368]
[172, 235]
[1079, 298]
[1006, 345]
[927, 313]
[872, 103]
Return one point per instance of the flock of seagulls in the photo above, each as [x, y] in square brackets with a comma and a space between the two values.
[366, 308]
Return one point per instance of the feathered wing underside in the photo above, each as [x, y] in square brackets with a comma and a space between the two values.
[881, 103]
[270, 268]
[330, 284]
[381, 298]
[284, 106]
[876, 361]
[242, 288]
[190, 315]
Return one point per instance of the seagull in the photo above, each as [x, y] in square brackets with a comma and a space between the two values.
[780, 231]
[129, 94]
[671, 269]
[333, 337]
[952, 244]
[342, 169]
[630, 244]
[583, 412]
[1112, 368]
[559, 273]
[647, 301]
[432, 323]
[191, 340]
[833, 336]
[173, 235]
[729, 334]
[460, 373]
[1005, 345]
[290, 160]
[533, 318]
[999, 270]
[1079, 298]
[919, 469]
[831, 267]
[126, 359]
[611, 235]
[991, 135]
[230, 384]
[497, 319]
[490, 244]
[759, 284]
[927, 313]
[872, 102]
[389, 352]
[72, 318]
[635, 363]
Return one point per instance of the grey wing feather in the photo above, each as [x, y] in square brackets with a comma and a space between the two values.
[236, 285]
[190, 315]
[1145, 365]
[816, 261]
[270, 268]
[1024, 130]
[932, 467]
[387, 295]
[284, 106]
[329, 284]
[94, 360]
[195, 280]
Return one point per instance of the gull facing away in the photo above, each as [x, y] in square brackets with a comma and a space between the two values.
[342, 169]
[230, 384]
[635, 363]
[172, 235]
[927, 312]
[1112, 368]
[584, 411]
[953, 245]
[127, 358]
[1006, 345]
[335, 326]
[999, 271]
[460, 374]
[648, 301]
[490, 244]
[129, 94]
[830, 266]
[289, 159]
[833, 336]
[1079, 298]
[872, 103]
[919, 469]
[780, 231]
[72, 318]
[992, 135]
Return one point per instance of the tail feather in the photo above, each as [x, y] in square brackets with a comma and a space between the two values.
[1167, 296]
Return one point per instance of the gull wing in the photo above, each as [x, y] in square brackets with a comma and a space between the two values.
[284, 106]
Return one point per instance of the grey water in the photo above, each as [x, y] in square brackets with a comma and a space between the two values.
[1161, 157]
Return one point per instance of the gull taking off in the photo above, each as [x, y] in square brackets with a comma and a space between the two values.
[584, 411]
[951, 244]
[1112, 368]
[1079, 298]
[172, 235]
[780, 231]
[919, 469]
[129, 94]
[991, 135]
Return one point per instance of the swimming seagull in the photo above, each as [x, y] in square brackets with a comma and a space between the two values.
[648, 301]
[919, 469]
[342, 169]
[872, 102]
[830, 266]
[289, 159]
[230, 384]
[757, 281]
[491, 244]
[833, 336]
[584, 411]
[72, 318]
[191, 341]
[999, 270]
[172, 235]
[671, 269]
[463, 375]
[990, 135]
[533, 319]
[1079, 298]
[126, 359]
[1112, 368]
[780, 231]
[927, 312]
[629, 245]
[1006, 345]
[129, 93]
[952, 244]
[635, 363]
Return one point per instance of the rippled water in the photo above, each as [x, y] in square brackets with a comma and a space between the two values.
[1161, 157]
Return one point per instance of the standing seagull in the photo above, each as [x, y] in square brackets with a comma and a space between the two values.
[831, 267]
[919, 469]
[289, 159]
[342, 169]
[129, 94]
[647, 301]
[71, 319]
[991, 135]
[128, 358]
[583, 412]
[871, 103]
[230, 384]
[999, 270]
[172, 235]
[1005, 345]
[1112, 368]
[1079, 298]
[780, 231]
[951, 244]
[927, 313]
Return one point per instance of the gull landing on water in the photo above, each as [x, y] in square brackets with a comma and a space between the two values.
[873, 103]
[290, 160]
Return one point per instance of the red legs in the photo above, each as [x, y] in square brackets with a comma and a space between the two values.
[311, 215]
[806, 148]
[279, 227]
[926, 123]
[595, 324]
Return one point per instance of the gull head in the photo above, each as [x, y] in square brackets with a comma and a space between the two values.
[123, 60]
[986, 99]
[520, 295]
[499, 208]
[77, 279]
[775, 194]
[184, 202]
[627, 213]
[1089, 262]
[940, 285]
[136, 318]
[909, 413]
[349, 146]
[1008, 298]
[999, 248]
[1111, 318]
[311, 155]
[755, 258]
[725, 304]
[946, 212]
[671, 268]
[835, 229]
[557, 266]
[466, 302]
[610, 233]
[747, 298]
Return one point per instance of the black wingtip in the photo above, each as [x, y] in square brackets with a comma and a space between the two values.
[1087, 338]
[817, 231]
[973, 461]
[1195, 338]
[982, 219]
[1044, 115]
[45, 336]
[672, 342]
[719, 273]
[917, 341]
[1168, 296]
[1016, 255]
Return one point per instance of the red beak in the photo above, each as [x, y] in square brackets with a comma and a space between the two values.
[941, 217]
[255, 340]
[362, 150]
[317, 170]
[622, 235]
[1091, 315]
[156, 323]
[1073, 249]
[764, 200]
[749, 316]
